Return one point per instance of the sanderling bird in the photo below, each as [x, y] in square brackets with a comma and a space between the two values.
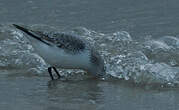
[66, 51]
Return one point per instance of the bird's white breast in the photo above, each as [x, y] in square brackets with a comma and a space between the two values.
[59, 58]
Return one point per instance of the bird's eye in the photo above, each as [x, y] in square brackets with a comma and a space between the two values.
[104, 68]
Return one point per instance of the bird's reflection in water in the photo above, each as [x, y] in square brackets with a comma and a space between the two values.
[80, 93]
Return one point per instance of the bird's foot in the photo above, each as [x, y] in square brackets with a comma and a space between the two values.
[50, 72]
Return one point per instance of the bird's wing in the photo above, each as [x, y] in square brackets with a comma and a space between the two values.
[68, 42]
[65, 41]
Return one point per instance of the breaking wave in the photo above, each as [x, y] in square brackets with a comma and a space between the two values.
[148, 61]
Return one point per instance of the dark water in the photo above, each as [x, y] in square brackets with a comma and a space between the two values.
[141, 17]
[138, 40]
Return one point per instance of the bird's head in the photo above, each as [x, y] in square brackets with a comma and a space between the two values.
[97, 67]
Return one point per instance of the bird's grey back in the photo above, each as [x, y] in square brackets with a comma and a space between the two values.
[70, 43]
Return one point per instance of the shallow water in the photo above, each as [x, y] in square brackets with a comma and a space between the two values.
[36, 93]
[138, 40]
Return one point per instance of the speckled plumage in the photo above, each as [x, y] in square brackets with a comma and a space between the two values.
[70, 43]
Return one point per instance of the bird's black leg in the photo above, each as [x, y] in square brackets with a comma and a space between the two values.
[56, 72]
[50, 72]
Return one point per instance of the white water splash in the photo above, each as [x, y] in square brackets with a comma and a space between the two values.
[148, 62]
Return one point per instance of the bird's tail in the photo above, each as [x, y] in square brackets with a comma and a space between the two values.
[30, 33]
